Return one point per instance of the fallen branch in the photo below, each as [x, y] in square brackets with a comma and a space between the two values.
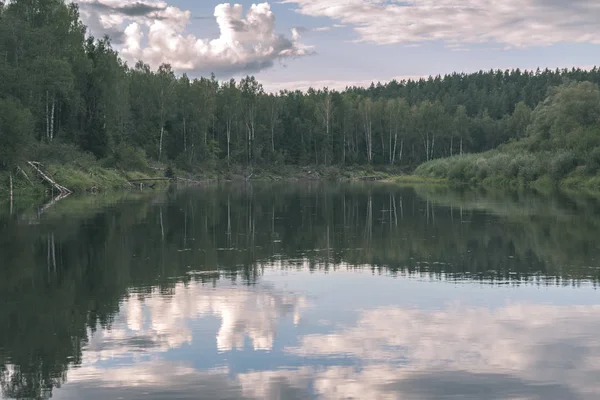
[63, 190]
[49, 204]
[25, 174]
[149, 179]
[190, 180]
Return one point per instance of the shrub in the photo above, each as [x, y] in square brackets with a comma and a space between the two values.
[592, 162]
[561, 164]
[128, 158]
[61, 153]
[170, 172]
[481, 169]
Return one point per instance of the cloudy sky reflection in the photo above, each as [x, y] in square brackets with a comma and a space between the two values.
[272, 341]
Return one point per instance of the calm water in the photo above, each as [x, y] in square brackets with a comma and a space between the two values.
[302, 291]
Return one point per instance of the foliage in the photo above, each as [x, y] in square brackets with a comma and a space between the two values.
[127, 157]
[67, 98]
[15, 132]
[563, 135]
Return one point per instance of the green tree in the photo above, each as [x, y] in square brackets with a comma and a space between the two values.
[16, 128]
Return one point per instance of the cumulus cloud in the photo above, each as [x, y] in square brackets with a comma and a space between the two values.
[514, 23]
[155, 32]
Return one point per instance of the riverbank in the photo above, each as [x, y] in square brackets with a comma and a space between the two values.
[81, 178]
[542, 171]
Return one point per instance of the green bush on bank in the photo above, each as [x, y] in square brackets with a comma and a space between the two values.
[498, 168]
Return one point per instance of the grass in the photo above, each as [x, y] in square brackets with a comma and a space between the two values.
[29, 192]
[91, 179]
[417, 180]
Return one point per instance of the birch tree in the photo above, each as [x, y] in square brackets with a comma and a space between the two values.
[325, 115]
[366, 112]
[250, 91]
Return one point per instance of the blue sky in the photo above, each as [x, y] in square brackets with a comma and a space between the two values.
[297, 43]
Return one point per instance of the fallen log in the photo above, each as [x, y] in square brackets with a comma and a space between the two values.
[36, 166]
[149, 179]
[192, 180]
[25, 174]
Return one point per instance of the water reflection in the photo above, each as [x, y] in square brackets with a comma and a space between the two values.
[303, 291]
[520, 350]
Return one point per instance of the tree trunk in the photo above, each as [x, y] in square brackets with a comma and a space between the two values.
[61, 189]
[461, 146]
[432, 146]
[160, 142]
[451, 145]
[401, 149]
[390, 146]
[369, 134]
[327, 135]
[393, 155]
[344, 149]
[253, 132]
[11, 192]
[52, 119]
[228, 137]
[184, 136]
[47, 118]
[162, 228]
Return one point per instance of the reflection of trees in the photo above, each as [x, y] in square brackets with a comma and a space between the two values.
[558, 232]
[68, 273]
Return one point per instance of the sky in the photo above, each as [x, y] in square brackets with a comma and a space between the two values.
[294, 44]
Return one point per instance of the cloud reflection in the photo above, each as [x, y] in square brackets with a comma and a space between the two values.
[534, 351]
[155, 322]
[518, 351]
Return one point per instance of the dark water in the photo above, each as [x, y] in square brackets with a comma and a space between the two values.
[303, 291]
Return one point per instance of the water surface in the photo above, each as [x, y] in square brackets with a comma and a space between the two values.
[302, 291]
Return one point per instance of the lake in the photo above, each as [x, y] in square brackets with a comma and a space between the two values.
[302, 291]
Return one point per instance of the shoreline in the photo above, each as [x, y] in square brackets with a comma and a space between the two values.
[30, 192]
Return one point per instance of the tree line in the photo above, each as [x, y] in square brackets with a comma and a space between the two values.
[61, 87]
[561, 147]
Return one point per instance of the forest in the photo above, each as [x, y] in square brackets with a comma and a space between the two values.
[68, 98]
[561, 146]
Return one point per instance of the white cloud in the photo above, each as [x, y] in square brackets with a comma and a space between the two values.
[155, 32]
[515, 23]
[322, 29]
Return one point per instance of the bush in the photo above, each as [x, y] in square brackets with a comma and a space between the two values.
[481, 169]
[562, 163]
[170, 172]
[127, 157]
[61, 153]
[183, 162]
[592, 162]
[333, 174]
